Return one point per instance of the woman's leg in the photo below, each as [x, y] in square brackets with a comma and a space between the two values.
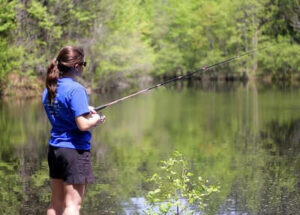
[57, 197]
[73, 198]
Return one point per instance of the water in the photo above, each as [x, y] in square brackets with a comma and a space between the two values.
[242, 137]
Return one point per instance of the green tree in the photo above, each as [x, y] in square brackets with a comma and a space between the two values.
[9, 53]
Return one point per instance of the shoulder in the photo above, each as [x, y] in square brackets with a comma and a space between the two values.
[76, 90]
[77, 87]
[69, 85]
[44, 95]
[45, 91]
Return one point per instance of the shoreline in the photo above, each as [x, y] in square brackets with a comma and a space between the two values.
[22, 86]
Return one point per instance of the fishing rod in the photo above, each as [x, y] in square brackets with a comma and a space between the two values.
[203, 69]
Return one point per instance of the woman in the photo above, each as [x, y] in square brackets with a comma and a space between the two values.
[66, 104]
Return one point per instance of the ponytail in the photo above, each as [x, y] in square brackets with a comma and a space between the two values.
[66, 59]
[51, 80]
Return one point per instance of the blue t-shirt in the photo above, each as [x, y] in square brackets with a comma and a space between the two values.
[71, 101]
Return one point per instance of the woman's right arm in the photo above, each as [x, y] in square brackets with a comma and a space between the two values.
[85, 116]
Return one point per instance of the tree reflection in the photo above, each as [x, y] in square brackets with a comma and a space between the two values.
[268, 177]
[281, 192]
[240, 138]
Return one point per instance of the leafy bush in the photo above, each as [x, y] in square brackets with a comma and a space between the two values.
[175, 190]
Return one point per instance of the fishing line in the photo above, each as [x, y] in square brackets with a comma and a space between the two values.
[202, 70]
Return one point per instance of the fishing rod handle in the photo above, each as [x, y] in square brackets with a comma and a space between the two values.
[101, 107]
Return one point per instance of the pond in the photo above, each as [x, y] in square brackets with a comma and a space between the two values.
[243, 137]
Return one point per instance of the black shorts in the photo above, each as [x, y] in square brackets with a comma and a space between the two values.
[73, 166]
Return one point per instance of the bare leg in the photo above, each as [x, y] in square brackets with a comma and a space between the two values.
[73, 198]
[57, 197]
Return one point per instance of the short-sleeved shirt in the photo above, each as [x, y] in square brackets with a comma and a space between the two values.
[71, 101]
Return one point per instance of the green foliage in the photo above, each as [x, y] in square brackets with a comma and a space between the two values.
[174, 184]
[6, 64]
[9, 53]
[7, 16]
[281, 68]
[122, 59]
[120, 52]
[128, 40]
[40, 181]
[10, 188]
[282, 19]
[39, 12]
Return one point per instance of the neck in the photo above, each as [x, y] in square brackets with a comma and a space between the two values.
[70, 74]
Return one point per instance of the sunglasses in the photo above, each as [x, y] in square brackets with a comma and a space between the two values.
[83, 64]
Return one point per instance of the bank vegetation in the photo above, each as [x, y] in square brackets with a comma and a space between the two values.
[130, 41]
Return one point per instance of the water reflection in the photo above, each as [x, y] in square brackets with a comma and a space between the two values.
[243, 137]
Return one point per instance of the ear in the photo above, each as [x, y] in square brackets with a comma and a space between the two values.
[76, 66]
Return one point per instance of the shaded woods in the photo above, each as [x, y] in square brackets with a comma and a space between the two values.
[128, 42]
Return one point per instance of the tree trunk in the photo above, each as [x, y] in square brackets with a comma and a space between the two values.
[254, 43]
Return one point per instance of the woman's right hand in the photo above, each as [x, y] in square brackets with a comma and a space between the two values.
[102, 118]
